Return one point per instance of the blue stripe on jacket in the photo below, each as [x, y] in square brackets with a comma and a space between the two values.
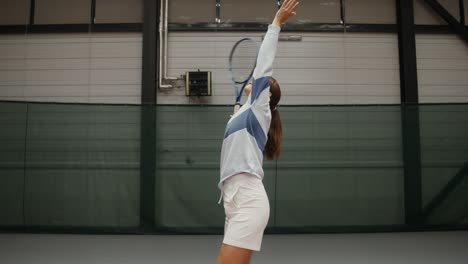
[247, 120]
[258, 86]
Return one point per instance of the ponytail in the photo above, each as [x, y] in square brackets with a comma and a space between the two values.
[275, 133]
[273, 145]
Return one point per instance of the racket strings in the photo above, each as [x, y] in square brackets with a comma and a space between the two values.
[243, 60]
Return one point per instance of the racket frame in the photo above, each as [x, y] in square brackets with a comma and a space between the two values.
[246, 81]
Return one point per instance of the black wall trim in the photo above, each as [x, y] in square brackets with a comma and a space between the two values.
[124, 27]
[32, 11]
[434, 29]
[461, 5]
[150, 44]
[93, 12]
[208, 27]
[218, 11]
[412, 164]
[407, 52]
[329, 27]
[409, 114]
[217, 27]
[13, 29]
[453, 22]
[342, 12]
[71, 28]
[378, 28]
[261, 27]
[148, 161]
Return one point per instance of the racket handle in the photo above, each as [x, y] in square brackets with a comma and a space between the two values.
[236, 108]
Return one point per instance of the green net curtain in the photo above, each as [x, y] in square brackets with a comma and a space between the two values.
[78, 166]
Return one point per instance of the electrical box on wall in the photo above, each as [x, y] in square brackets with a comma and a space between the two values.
[198, 83]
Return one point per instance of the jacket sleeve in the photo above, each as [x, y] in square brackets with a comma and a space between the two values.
[264, 68]
[267, 53]
[259, 97]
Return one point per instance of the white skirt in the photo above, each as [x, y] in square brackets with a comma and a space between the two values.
[247, 211]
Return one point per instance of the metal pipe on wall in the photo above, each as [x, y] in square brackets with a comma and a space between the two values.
[161, 21]
[166, 18]
[163, 36]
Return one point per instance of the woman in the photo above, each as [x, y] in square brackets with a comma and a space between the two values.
[251, 132]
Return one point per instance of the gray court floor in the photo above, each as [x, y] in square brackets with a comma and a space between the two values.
[394, 248]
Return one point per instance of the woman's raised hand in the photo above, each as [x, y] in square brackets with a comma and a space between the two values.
[286, 11]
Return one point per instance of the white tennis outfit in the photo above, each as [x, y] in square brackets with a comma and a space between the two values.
[241, 173]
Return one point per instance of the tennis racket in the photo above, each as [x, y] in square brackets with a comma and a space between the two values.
[242, 61]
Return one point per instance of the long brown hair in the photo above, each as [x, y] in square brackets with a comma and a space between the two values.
[275, 133]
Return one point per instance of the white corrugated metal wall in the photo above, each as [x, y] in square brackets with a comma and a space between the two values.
[79, 68]
[442, 69]
[323, 68]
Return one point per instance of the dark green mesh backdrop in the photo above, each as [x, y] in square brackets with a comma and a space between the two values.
[12, 146]
[70, 165]
[341, 166]
[444, 156]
